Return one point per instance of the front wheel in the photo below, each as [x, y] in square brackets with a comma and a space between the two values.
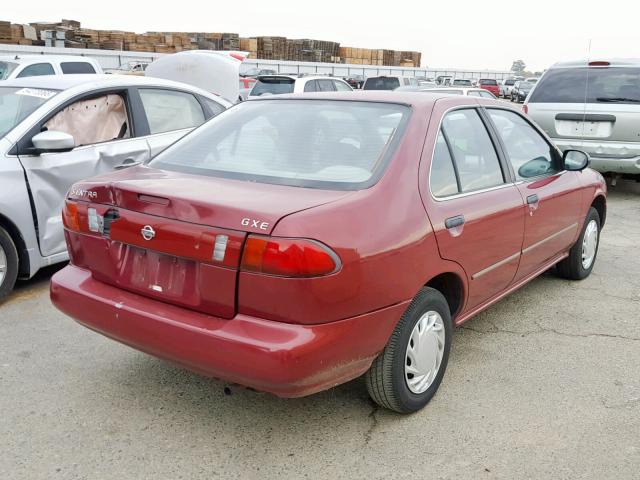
[582, 256]
[8, 264]
[408, 372]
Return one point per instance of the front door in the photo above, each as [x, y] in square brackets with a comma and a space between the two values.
[552, 195]
[101, 127]
[476, 211]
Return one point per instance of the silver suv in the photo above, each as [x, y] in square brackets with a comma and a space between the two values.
[595, 107]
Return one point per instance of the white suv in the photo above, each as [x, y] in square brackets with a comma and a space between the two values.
[279, 84]
[20, 66]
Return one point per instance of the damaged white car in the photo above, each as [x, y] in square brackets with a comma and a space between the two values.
[57, 130]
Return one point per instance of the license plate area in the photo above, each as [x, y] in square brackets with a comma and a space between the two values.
[574, 128]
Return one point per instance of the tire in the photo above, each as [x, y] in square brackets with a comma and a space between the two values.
[582, 256]
[8, 264]
[388, 380]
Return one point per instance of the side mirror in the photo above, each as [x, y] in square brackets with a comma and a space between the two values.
[575, 160]
[53, 141]
[535, 168]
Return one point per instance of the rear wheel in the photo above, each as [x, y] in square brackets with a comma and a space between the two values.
[582, 256]
[8, 264]
[408, 372]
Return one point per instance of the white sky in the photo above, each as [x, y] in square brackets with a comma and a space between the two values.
[449, 33]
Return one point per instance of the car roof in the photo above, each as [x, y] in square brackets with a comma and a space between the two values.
[64, 82]
[415, 99]
[21, 59]
[613, 62]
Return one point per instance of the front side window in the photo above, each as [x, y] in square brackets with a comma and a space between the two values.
[94, 120]
[473, 151]
[77, 67]
[529, 153]
[169, 110]
[36, 70]
[340, 145]
[325, 85]
[311, 86]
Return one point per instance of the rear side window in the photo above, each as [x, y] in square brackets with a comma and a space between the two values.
[36, 70]
[442, 179]
[273, 86]
[339, 145]
[486, 94]
[169, 110]
[6, 68]
[77, 67]
[381, 83]
[474, 155]
[311, 86]
[341, 86]
[214, 106]
[595, 85]
[326, 85]
[530, 155]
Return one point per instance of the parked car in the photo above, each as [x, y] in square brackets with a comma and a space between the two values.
[461, 82]
[355, 81]
[444, 80]
[606, 125]
[472, 92]
[426, 83]
[489, 84]
[56, 130]
[520, 91]
[20, 66]
[506, 87]
[129, 68]
[295, 242]
[280, 84]
[256, 72]
[389, 82]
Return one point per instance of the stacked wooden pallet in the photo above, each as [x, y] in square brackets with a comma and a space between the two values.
[69, 33]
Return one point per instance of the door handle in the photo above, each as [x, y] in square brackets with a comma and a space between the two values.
[532, 199]
[129, 162]
[453, 222]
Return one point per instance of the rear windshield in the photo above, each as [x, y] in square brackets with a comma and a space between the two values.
[6, 68]
[596, 85]
[462, 82]
[273, 86]
[341, 145]
[381, 83]
[509, 82]
[488, 81]
[77, 67]
[17, 103]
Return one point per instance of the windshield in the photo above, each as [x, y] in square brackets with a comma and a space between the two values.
[525, 86]
[273, 86]
[17, 103]
[340, 145]
[606, 85]
[6, 68]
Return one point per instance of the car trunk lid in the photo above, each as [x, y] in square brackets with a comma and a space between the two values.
[176, 237]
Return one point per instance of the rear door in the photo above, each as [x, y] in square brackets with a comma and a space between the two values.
[476, 211]
[103, 128]
[553, 196]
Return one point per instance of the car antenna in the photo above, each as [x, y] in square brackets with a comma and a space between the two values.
[586, 92]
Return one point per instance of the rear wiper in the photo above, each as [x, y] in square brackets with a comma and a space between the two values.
[617, 99]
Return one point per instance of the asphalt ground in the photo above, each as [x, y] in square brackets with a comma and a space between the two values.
[545, 384]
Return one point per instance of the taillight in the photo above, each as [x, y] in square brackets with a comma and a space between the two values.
[525, 109]
[70, 216]
[288, 257]
[599, 63]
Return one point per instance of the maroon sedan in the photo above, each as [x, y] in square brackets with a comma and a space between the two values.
[293, 243]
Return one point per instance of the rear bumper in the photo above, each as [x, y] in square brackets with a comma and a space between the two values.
[284, 359]
[613, 157]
